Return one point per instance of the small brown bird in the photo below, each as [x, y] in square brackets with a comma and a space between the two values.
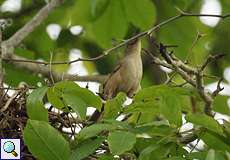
[127, 74]
[125, 77]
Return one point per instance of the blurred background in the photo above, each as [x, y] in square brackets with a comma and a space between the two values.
[84, 28]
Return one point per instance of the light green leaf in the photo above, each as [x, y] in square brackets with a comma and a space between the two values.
[205, 121]
[86, 148]
[44, 142]
[210, 155]
[94, 129]
[220, 105]
[69, 87]
[114, 106]
[34, 105]
[54, 98]
[98, 7]
[171, 109]
[121, 141]
[76, 103]
[140, 13]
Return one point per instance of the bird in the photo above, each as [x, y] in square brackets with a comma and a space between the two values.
[127, 75]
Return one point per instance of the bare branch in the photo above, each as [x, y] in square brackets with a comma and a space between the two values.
[218, 88]
[17, 38]
[45, 71]
[210, 59]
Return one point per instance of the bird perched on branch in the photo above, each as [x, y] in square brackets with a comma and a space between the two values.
[127, 74]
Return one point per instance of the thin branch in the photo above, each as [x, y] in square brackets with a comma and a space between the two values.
[210, 59]
[218, 88]
[17, 38]
[108, 51]
[45, 71]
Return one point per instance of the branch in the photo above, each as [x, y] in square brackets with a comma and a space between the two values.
[193, 76]
[55, 3]
[45, 71]
[17, 38]
[218, 88]
[210, 59]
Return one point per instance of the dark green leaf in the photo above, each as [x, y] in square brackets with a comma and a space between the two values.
[44, 142]
[34, 105]
[121, 141]
[86, 148]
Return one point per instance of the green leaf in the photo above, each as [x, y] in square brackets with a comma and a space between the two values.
[171, 109]
[69, 87]
[140, 13]
[15, 75]
[54, 98]
[121, 141]
[205, 121]
[98, 7]
[146, 153]
[76, 103]
[114, 106]
[156, 91]
[175, 158]
[143, 107]
[111, 24]
[34, 105]
[210, 155]
[198, 155]
[44, 142]
[86, 148]
[212, 140]
[220, 105]
[94, 129]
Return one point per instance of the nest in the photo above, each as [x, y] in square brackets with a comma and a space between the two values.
[13, 118]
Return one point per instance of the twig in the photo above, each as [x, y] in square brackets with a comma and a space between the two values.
[106, 52]
[218, 88]
[50, 68]
[45, 71]
[210, 59]
[193, 76]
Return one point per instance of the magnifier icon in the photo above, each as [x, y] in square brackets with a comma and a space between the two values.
[9, 147]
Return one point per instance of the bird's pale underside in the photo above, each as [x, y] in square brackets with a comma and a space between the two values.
[127, 75]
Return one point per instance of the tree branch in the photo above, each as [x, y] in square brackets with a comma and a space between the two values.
[17, 38]
[45, 71]
[55, 3]
[193, 76]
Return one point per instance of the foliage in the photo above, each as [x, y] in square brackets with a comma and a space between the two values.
[142, 136]
[151, 127]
